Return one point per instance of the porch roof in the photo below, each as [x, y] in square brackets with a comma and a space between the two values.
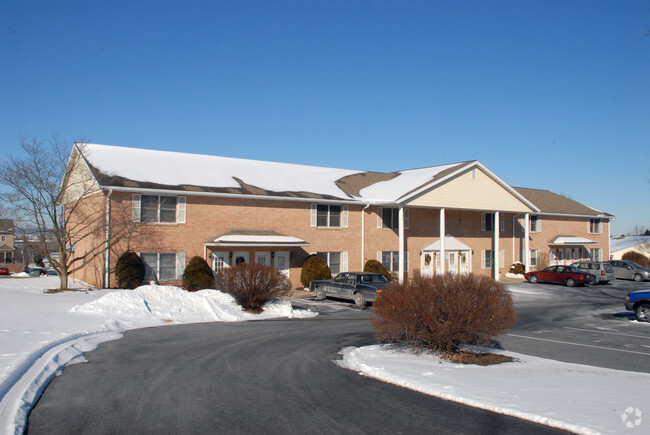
[451, 244]
[255, 238]
[572, 241]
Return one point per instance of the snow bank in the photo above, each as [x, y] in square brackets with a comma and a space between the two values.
[42, 333]
[573, 397]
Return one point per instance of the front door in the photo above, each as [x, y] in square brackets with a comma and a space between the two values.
[452, 263]
[464, 263]
[262, 257]
[427, 263]
[281, 262]
[239, 257]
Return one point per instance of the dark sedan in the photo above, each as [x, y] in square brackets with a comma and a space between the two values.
[567, 275]
[360, 287]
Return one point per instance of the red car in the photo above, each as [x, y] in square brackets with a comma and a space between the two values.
[4, 271]
[567, 275]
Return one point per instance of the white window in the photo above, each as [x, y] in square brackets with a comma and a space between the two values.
[535, 224]
[595, 254]
[163, 266]
[594, 226]
[390, 260]
[533, 257]
[487, 222]
[487, 259]
[337, 261]
[329, 216]
[3, 238]
[159, 208]
[388, 217]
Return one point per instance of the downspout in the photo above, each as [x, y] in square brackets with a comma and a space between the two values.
[363, 234]
[107, 255]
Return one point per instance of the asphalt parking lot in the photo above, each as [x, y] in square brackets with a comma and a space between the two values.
[585, 325]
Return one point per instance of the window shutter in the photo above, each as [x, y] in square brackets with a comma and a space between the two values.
[483, 259]
[314, 211]
[344, 261]
[406, 218]
[539, 224]
[502, 222]
[180, 264]
[502, 257]
[380, 222]
[181, 206]
[344, 217]
[379, 256]
[136, 207]
[483, 226]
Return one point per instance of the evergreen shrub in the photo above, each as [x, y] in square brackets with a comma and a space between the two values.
[314, 267]
[517, 269]
[129, 270]
[253, 284]
[376, 267]
[197, 275]
[442, 312]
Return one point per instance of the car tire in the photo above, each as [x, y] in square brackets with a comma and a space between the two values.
[570, 282]
[320, 293]
[533, 279]
[359, 300]
[642, 313]
[638, 277]
[591, 279]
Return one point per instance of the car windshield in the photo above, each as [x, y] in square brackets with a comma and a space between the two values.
[574, 269]
[634, 265]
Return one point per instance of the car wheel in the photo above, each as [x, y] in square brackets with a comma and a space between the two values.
[643, 313]
[359, 300]
[638, 277]
[591, 279]
[533, 279]
[570, 282]
[320, 293]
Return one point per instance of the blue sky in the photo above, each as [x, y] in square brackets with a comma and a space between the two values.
[547, 94]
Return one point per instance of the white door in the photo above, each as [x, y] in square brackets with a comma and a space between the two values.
[438, 267]
[452, 262]
[281, 262]
[426, 266]
[219, 260]
[239, 257]
[263, 258]
[464, 263]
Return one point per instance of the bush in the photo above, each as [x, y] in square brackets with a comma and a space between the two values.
[637, 257]
[442, 312]
[517, 269]
[376, 267]
[197, 275]
[253, 284]
[314, 267]
[129, 270]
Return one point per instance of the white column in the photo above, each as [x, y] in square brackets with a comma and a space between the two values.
[442, 241]
[497, 229]
[401, 243]
[527, 242]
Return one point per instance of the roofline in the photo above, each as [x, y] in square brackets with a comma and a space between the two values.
[463, 168]
[593, 216]
[257, 244]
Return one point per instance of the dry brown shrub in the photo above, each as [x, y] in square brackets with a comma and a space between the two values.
[442, 312]
[252, 284]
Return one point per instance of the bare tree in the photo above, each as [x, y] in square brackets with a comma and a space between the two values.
[62, 205]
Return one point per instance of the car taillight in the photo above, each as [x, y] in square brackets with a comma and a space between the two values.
[378, 291]
[602, 272]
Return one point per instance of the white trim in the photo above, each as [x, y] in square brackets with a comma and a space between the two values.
[180, 264]
[380, 219]
[181, 207]
[344, 261]
[344, 216]
[314, 215]
[136, 207]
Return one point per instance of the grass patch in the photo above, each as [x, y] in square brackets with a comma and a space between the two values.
[481, 359]
[61, 290]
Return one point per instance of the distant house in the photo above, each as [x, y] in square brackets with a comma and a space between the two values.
[7, 241]
[620, 245]
[229, 210]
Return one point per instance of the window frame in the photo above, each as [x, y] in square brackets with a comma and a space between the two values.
[317, 215]
[538, 223]
[485, 222]
[155, 274]
[393, 264]
[163, 210]
[595, 226]
[394, 218]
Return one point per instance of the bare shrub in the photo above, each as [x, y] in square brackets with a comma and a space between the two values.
[442, 312]
[252, 284]
[542, 261]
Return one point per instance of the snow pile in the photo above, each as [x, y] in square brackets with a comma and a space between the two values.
[535, 389]
[42, 333]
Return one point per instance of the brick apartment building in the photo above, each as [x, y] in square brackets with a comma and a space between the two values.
[230, 210]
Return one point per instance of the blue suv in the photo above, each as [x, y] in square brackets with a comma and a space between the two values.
[639, 302]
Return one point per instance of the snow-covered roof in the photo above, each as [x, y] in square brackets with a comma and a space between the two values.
[572, 240]
[115, 166]
[621, 243]
[451, 244]
[268, 238]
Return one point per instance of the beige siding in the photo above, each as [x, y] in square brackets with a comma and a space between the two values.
[472, 190]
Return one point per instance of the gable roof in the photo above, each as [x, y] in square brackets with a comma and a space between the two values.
[552, 203]
[132, 169]
[6, 225]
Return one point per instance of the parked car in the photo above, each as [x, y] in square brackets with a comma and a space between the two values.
[40, 270]
[4, 271]
[567, 275]
[51, 272]
[360, 287]
[597, 271]
[639, 302]
[629, 270]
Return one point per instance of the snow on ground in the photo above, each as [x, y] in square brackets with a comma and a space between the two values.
[41, 333]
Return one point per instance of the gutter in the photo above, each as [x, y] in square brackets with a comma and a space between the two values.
[107, 254]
